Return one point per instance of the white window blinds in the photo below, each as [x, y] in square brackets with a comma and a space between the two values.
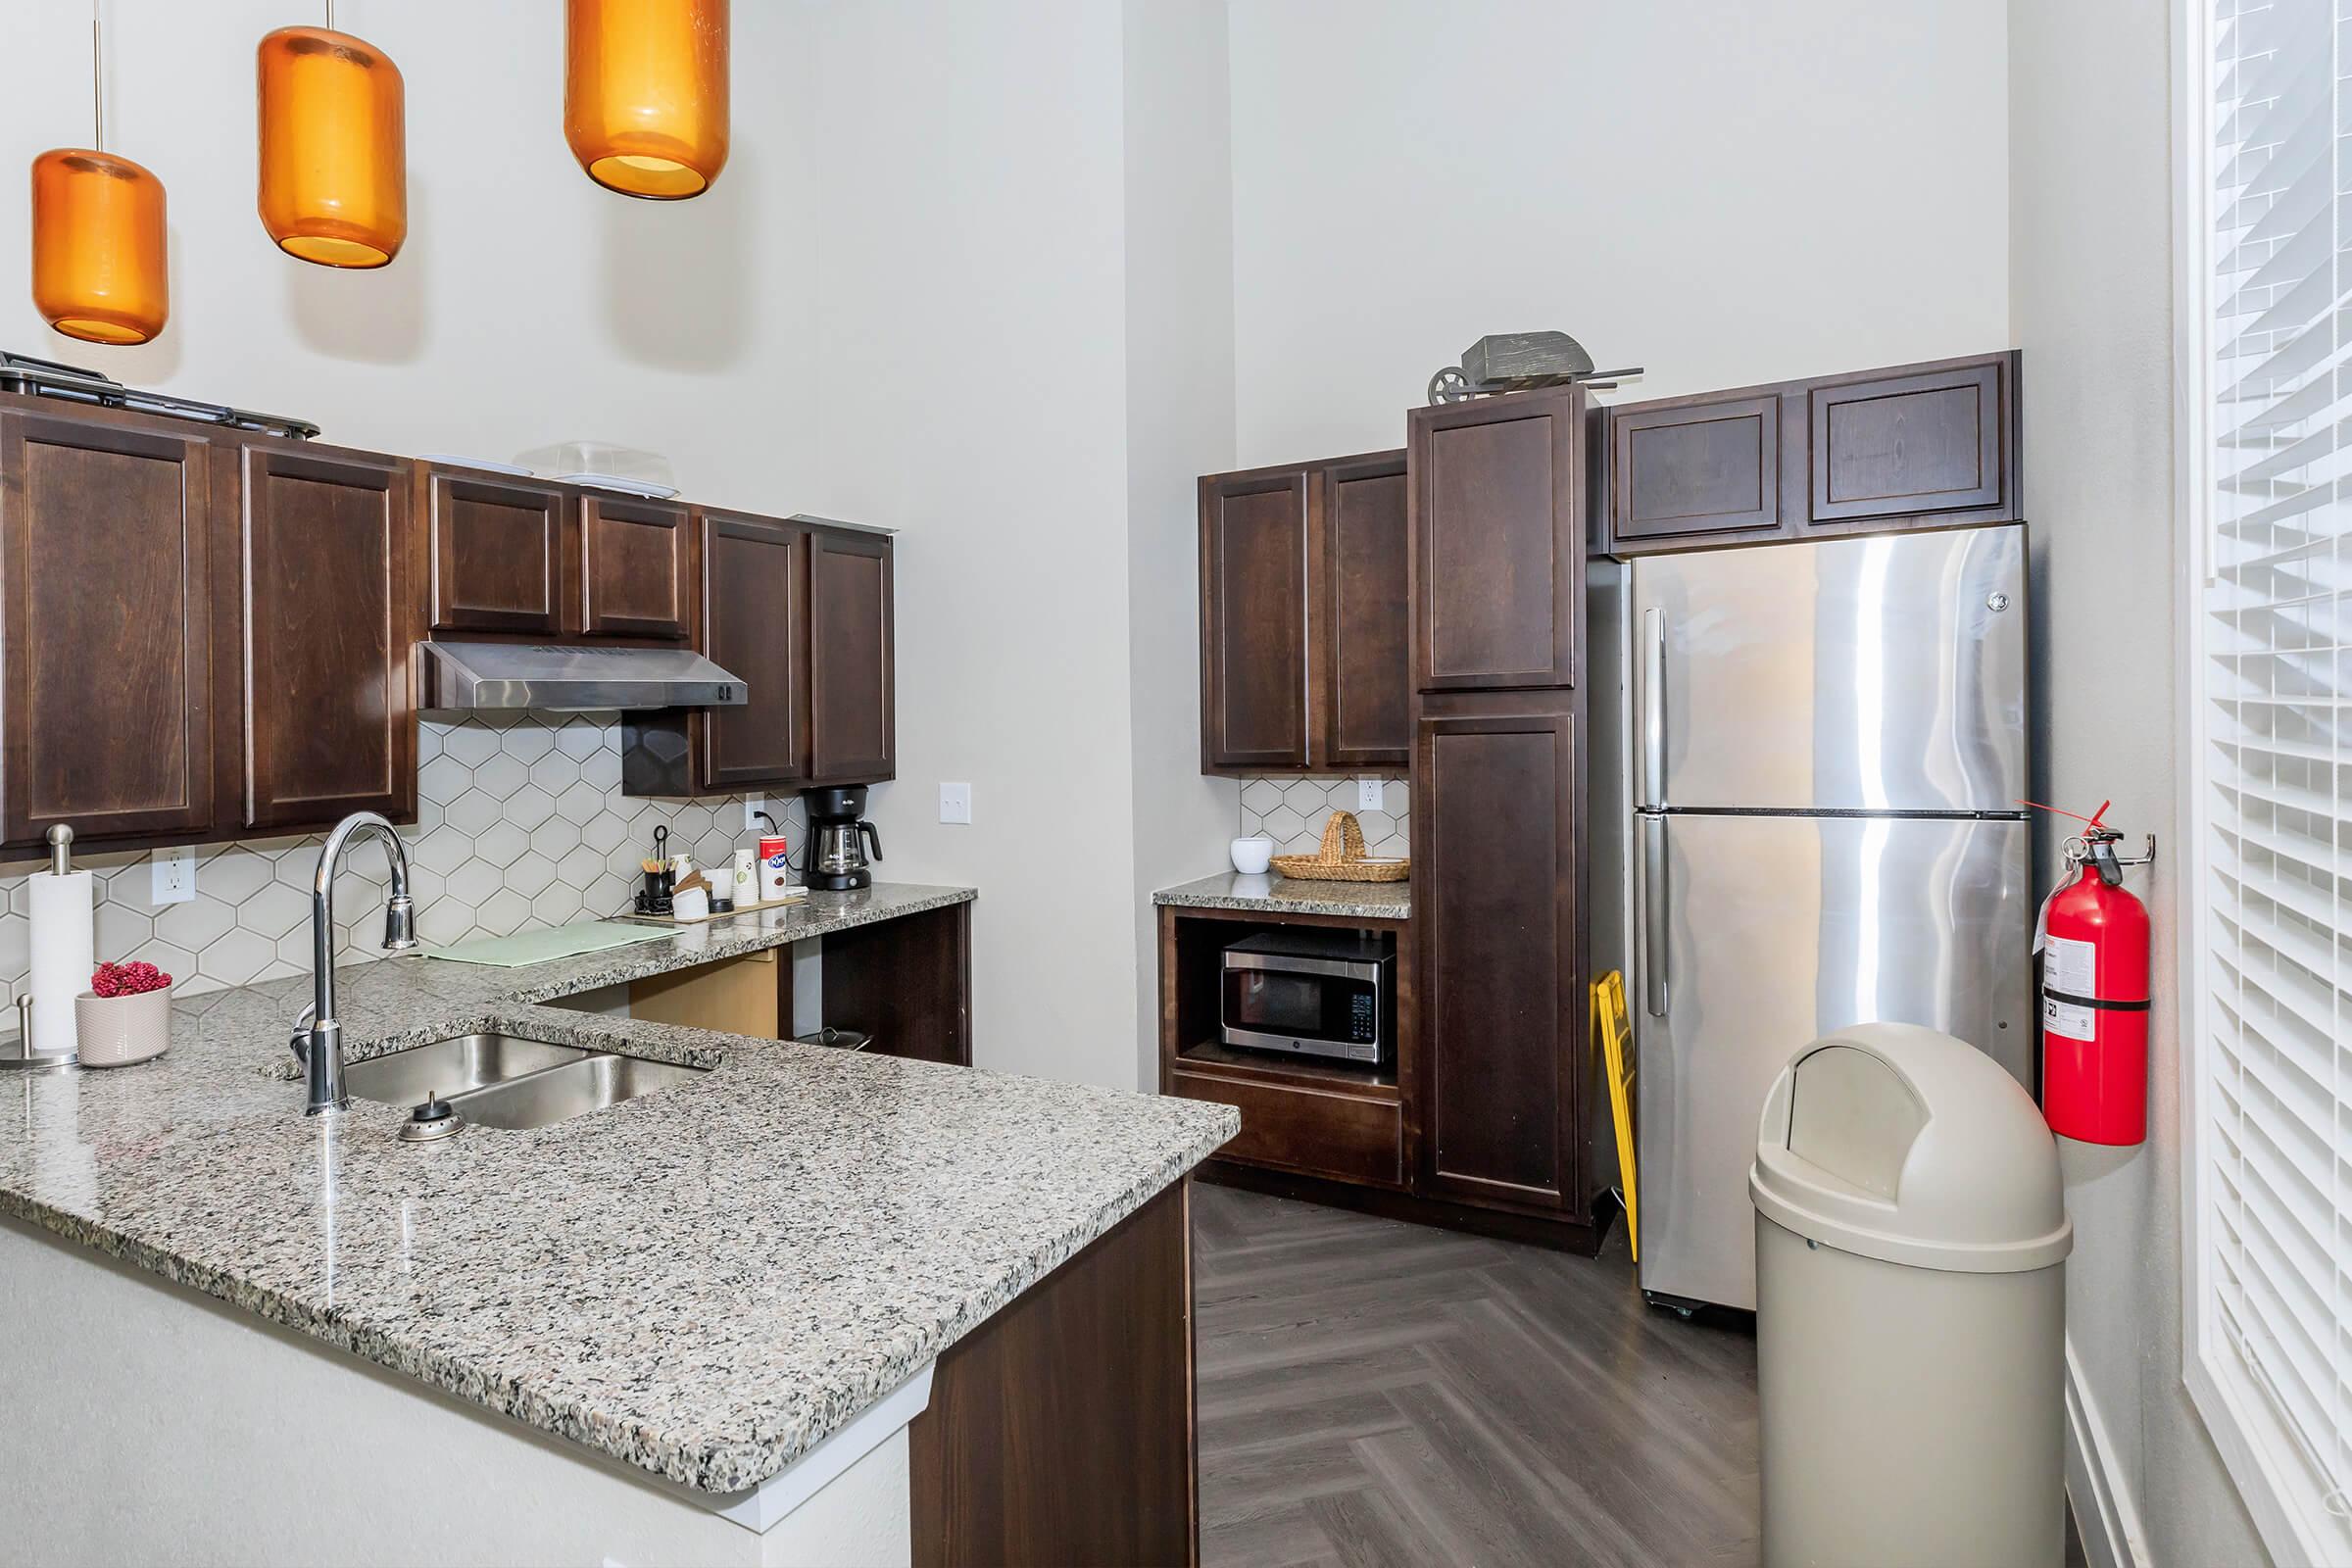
[2271, 1140]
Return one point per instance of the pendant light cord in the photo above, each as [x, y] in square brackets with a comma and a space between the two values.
[97, 85]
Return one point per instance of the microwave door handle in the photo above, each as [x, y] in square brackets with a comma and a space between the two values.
[1653, 915]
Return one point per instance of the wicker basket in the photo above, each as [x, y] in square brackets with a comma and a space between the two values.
[1342, 857]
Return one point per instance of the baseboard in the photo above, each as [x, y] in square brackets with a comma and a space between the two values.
[2105, 1511]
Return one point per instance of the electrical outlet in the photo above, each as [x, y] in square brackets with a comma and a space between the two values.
[954, 803]
[1369, 795]
[752, 806]
[174, 874]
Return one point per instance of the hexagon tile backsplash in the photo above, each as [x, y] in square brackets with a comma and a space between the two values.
[520, 824]
[1292, 813]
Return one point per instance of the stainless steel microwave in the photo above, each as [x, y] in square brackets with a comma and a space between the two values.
[1312, 992]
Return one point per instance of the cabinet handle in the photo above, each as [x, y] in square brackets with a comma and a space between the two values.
[1653, 915]
[1654, 707]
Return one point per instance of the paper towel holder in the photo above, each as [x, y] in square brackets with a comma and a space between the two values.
[24, 1057]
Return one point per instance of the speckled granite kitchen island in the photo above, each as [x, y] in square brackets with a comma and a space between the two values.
[702, 1285]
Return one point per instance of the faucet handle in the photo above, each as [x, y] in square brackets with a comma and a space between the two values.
[300, 1043]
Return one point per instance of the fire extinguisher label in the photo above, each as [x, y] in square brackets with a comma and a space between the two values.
[2070, 965]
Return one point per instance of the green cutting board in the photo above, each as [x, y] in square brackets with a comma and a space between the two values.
[557, 941]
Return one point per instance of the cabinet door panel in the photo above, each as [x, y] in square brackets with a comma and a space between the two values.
[1910, 444]
[756, 626]
[108, 646]
[1253, 706]
[1710, 468]
[330, 623]
[1495, 920]
[1364, 625]
[499, 549]
[636, 568]
[853, 719]
[1498, 541]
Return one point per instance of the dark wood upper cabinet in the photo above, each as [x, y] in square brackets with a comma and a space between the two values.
[1916, 446]
[1304, 617]
[853, 719]
[1910, 445]
[1497, 491]
[1707, 467]
[502, 550]
[756, 626]
[1253, 699]
[637, 568]
[328, 615]
[1360, 625]
[1496, 855]
[802, 615]
[109, 679]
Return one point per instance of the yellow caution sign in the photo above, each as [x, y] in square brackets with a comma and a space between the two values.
[1615, 1033]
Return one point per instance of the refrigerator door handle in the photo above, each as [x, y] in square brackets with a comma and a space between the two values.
[1654, 707]
[1653, 915]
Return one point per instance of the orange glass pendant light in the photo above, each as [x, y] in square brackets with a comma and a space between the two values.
[98, 252]
[645, 94]
[334, 186]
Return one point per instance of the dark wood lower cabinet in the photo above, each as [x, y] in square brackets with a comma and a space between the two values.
[1497, 792]
[1062, 1429]
[907, 982]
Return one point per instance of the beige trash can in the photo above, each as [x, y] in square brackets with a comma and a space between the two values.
[1910, 1308]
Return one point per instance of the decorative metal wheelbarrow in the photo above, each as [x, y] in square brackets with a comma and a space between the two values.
[1520, 361]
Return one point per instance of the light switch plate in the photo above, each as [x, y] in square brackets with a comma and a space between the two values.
[954, 803]
[1369, 795]
[174, 874]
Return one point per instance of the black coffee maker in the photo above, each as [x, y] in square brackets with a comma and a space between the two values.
[838, 837]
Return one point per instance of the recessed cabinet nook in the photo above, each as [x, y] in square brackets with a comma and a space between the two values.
[1426, 607]
[211, 634]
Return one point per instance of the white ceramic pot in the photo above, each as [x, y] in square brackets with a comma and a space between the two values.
[1252, 855]
[116, 1031]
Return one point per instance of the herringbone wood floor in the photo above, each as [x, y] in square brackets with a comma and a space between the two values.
[1377, 1394]
[1374, 1392]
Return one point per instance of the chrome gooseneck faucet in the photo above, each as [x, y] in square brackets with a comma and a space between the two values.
[318, 1039]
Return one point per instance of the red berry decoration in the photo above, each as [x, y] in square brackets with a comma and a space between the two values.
[132, 979]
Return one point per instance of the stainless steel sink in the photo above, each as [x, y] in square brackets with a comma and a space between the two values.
[575, 1089]
[451, 1067]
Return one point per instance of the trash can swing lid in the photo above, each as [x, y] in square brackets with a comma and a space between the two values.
[1902, 1144]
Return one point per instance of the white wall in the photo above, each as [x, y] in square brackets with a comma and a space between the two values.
[2091, 294]
[965, 219]
[1722, 191]
[1180, 391]
[527, 307]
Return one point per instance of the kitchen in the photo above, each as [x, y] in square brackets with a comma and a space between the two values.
[946, 349]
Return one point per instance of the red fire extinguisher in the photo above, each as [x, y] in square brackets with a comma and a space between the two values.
[2095, 995]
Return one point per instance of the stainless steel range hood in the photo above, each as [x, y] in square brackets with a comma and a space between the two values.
[476, 677]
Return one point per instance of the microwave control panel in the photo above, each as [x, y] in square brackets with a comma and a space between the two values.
[1363, 1017]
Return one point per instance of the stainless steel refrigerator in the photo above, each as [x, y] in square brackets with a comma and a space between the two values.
[1824, 748]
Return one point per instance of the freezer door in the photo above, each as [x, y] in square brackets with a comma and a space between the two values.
[1758, 935]
[1882, 673]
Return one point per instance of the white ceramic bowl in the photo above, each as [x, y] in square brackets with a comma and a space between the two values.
[1252, 855]
[116, 1031]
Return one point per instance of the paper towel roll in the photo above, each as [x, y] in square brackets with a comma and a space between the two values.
[63, 937]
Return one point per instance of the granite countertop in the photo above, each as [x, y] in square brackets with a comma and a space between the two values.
[704, 1282]
[1276, 894]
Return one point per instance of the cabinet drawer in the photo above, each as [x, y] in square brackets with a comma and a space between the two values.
[1306, 1130]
